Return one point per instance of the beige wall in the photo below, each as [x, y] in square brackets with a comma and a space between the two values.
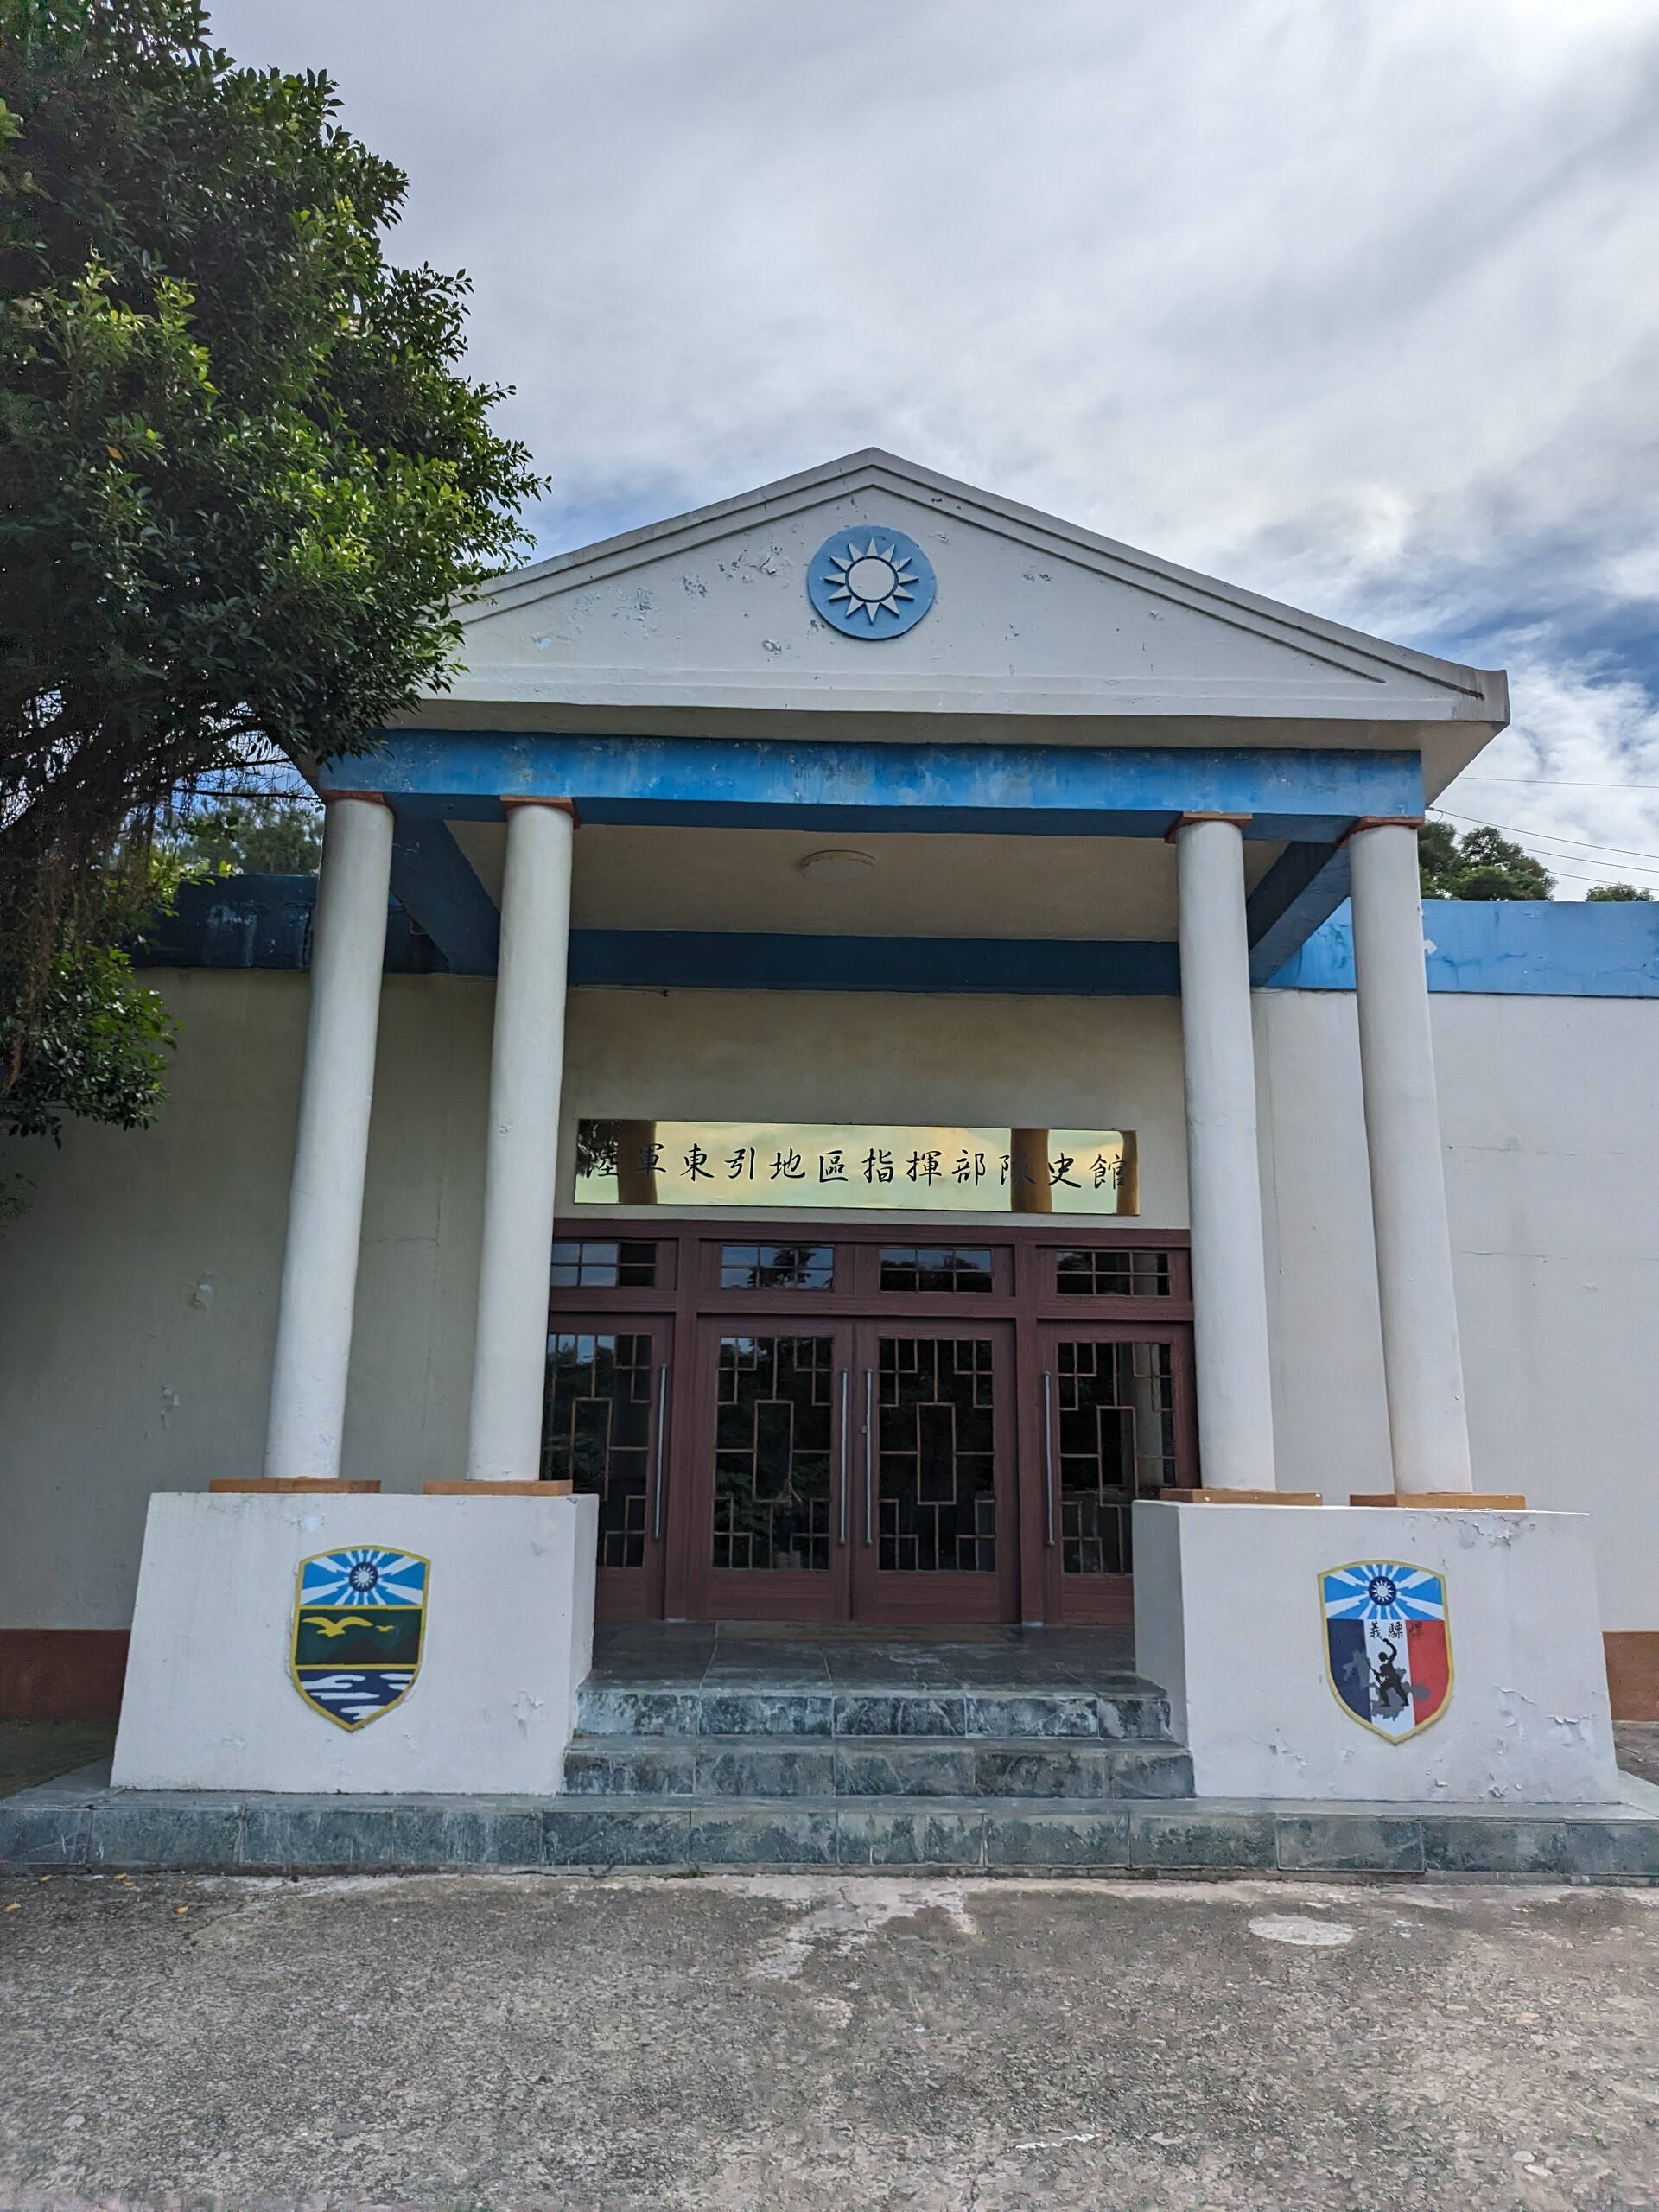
[138, 1291]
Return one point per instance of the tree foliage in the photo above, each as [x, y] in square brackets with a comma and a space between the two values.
[242, 481]
[1614, 893]
[255, 835]
[1481, 865]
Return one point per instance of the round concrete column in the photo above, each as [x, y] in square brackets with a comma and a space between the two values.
[331, 1146]
[1422, 1359]
[1229, 1299]
[521, 1159]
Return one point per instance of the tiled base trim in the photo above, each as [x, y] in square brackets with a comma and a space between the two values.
[59, 1826]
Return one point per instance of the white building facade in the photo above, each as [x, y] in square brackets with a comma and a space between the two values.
[917, 1036]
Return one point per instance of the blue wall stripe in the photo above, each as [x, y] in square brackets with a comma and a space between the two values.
[1530, 947]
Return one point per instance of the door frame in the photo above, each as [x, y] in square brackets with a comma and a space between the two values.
[925, 1595]
[1100, 1599]
[686, 1288]
[708, 1593]
[635, 1593]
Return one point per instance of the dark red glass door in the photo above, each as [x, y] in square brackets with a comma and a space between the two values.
[604, 1426]
[1113, 1420]
[935, 1494]
[769, 1500]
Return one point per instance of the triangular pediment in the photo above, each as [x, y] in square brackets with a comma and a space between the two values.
[705, 621]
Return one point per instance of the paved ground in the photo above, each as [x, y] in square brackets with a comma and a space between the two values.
[726, 2045]
[1637, 1742]
[40, 1751]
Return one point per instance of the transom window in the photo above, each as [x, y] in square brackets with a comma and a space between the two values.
[1112, 1274]
[777, 1267]
[588, 1265]
[935, 1267]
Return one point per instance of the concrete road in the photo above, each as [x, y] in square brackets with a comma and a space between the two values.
[541, 2041]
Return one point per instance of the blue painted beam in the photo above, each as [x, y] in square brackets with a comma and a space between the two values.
[739, 961]
[1008, 789]
[1528, 948]
[1302, 889]
[434, 881]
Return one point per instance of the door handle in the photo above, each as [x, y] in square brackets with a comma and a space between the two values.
[869, 1455]
[1048, 1457]
[656, 1470]
[844, 1378]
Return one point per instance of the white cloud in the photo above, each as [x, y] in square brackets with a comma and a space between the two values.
[1351, 300]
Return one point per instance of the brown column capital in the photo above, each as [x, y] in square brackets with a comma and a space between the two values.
[373, 798]
[1380, 821]
[563, 805]
[1186, 821]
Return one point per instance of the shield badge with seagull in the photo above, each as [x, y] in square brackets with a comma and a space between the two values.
[1387, 1645]
[360, 1617]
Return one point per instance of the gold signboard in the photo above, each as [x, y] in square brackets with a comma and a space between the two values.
[780, 1167]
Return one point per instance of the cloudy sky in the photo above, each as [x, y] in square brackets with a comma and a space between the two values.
[1352, 301]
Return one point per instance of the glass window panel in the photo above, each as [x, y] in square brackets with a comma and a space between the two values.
[936, 1441]
[935, 1267]
[777, 1267]
[1114, 1439]
[774, 1422]
[596, 1433]
[629, 1265]
[1112, 1274]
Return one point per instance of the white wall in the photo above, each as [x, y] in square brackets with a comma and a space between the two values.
[1547, 1108]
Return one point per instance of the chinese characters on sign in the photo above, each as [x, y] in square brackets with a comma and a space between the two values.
[780, 1167]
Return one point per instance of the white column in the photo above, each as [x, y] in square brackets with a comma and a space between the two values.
[1421, 1357]
[1230, 1296]
[331, 1147]
[521, 1159]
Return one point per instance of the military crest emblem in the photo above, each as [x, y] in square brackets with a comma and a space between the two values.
[359, 1615]
[1387, 1645]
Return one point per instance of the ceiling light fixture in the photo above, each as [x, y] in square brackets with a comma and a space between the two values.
[837, 865]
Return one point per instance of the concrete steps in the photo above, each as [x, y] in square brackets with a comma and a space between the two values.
[858, 1762]
[874, 1766]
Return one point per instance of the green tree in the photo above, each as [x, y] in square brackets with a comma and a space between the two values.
[254, 836]
[242, 483]
[1610, 893]
[1482, 865]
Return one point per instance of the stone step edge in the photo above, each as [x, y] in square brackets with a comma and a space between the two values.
[1152, 1836]
[598, 1742]
[1148, 1707]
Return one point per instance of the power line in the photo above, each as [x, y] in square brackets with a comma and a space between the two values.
[1549, 836]
[1554, 783]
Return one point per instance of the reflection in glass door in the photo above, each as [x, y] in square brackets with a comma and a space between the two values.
[1111, 1421]
[937, 1540]
[604, 1425]
[771, 1497]
[774, 1433]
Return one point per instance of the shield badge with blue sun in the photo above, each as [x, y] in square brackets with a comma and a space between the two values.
[1387, 1645]
[358, 1619]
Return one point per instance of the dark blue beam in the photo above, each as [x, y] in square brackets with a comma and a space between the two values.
[1302, 889]
[433, 880]
[1008, 790]
[737, 961]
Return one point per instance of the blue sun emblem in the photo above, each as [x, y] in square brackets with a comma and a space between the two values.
[871, 583]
